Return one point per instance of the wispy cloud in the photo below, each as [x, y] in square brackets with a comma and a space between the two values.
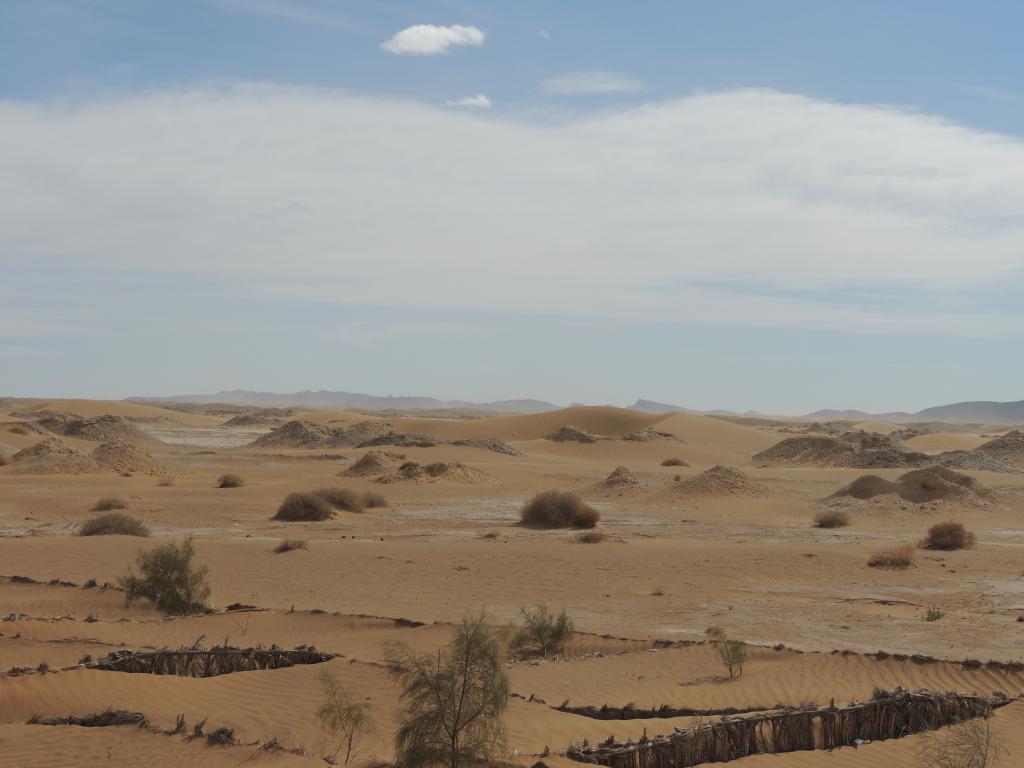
[479, 101]
[285, 9]
[592, 82]
[543, 34]
[430, 40]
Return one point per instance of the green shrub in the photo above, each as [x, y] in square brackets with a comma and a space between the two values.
[113, 524]
[342, 716]
[304, 507]
[108, 503]
[558, 509]
[169, 578]
[732, 652]
[543, 632]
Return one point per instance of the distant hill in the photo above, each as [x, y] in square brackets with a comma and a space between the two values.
[342, 400]
[650, 406]
[975, 410]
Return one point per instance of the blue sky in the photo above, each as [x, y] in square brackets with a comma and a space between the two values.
[747, 205]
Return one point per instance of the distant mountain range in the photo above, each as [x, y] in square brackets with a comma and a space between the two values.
[974, 410]
[328, 399]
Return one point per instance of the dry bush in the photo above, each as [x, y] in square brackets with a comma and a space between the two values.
[304, 507]
[230, 480]
[543, 631]
[452, 700]
[558, 509]
[169, 578]
[339, 714]
[375, 501]
[732, 652]
[591, 537]
[108, 503]
[972, 744]
[897, 557]
[113, 524]
[341, 498]
[948, 536]
[674, 462]
[288, 545]
[832, 518]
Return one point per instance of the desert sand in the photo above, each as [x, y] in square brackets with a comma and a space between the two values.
[723, 541]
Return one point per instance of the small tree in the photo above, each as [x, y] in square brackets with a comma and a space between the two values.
[453, 700]
[732, 652]
[971, 744]
[341, 716]
[169, 578]
[543, 632]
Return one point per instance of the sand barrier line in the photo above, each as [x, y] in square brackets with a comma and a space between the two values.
[888, 715]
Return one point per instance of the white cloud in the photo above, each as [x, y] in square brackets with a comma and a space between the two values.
[480, 101]
[544, 34]
[742, 207]
[429, 40]
[592, 82]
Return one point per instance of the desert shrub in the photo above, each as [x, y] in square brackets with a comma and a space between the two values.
[341, 498]
[832, 518]
[972, 744]
[169, 578]
[558, 509]
[897, 557]
[113, 524]
[222, 737]
[933, 613]
[304, 507]
[948, 536]
[342, 716]
[732, 652]
[591, 537]
[542, 632]
[374, 500]
[108, 503]
[165, 481]
[452, 701]
[288, 545]
[230, 480]
[674, 462]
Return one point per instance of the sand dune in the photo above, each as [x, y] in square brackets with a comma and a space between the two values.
[138, 411]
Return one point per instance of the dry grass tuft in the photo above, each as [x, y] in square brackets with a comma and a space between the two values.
[948, 536]
[289, 545]
[304, 507]
[230, 480]
[375, 501]
[832, 518]
[897, 557]
[591, 537]
[108, 503]
[558, 509]
[674, 462]
[341, 498]
[113, 524]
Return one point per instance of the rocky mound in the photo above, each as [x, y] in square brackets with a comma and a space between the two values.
[882, 457]
[938, 483]
[103, 429]
[650, 434]
[719, 481]
[51, 456]
[375, 463]
[246, 420]
[359, 434]
[866, 487]
[452, 471]
[403, 440]
[1009, 448]
[121, 457]
[805, 450]
[976, 460]
[294, 434]
[572, 434]
[489, 444]
[621, 477]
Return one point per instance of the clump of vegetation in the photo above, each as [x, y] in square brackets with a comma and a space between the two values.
[948, 536]
[897, 557]
[113, 524]
[288, 545]
[732, 652]
[933, 613]
[304, 507]
[832, 518]
[591, 537]
[558, 509]
[543, 631]
[374, 501]
[452, 700]
[972, 744]
[674, 462]
[43, 667]
[341, 716]
[230, 480]
[341, 498]
[108, 503]
[170, 578]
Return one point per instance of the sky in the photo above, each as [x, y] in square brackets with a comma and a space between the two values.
[733, 204]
